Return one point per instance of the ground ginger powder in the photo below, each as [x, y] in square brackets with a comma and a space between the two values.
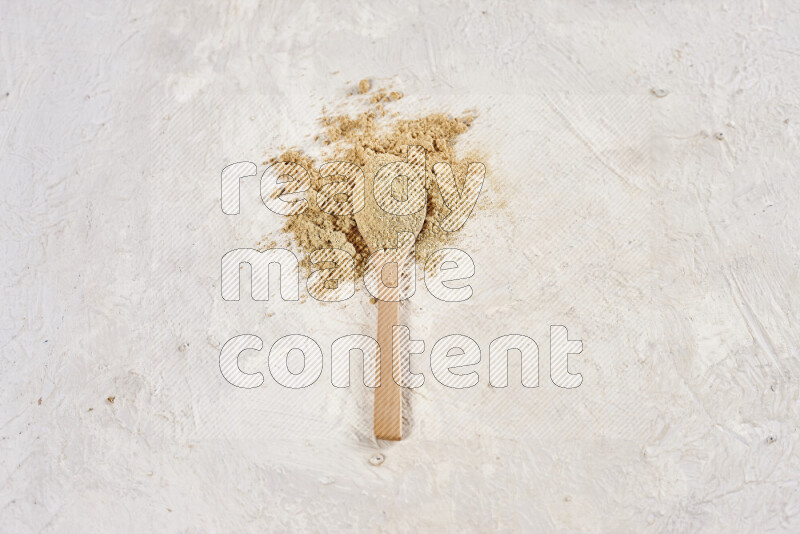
[358, 139]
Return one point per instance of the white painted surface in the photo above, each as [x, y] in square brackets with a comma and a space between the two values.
[672, 253]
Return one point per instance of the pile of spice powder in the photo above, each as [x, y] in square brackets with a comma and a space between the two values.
[358, 139]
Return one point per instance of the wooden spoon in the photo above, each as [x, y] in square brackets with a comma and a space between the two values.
[379, 229]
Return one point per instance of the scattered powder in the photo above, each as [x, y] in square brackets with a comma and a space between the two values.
[383, 95]
[362, 139]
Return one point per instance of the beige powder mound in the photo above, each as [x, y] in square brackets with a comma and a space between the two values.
[359, 139]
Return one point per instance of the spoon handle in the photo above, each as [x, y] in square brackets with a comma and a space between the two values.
[388, 419]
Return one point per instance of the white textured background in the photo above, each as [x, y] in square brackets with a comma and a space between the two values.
[661, 230]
